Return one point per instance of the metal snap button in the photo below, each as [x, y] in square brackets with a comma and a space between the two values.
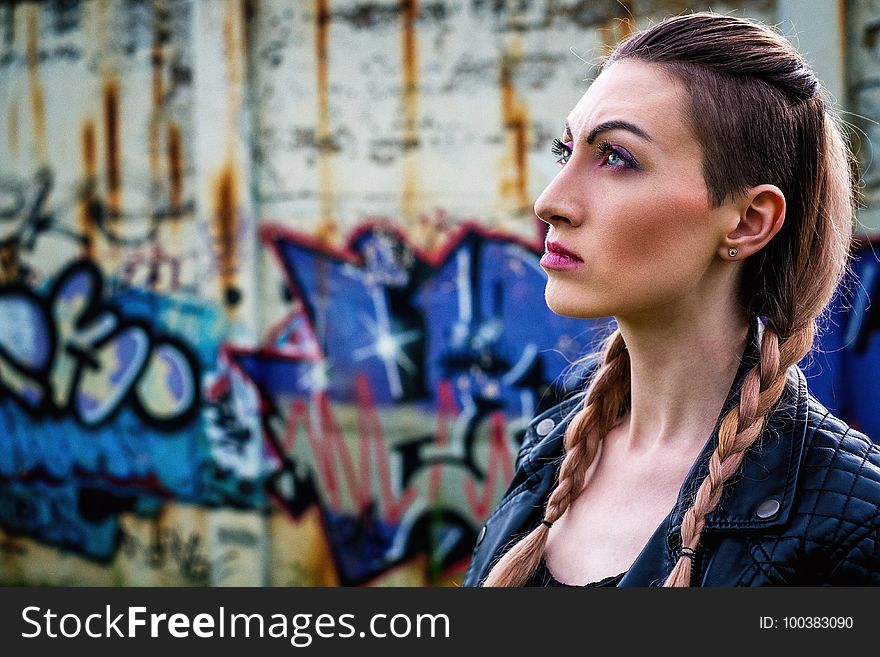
[481, 535]
[545, 426]
[767, 509]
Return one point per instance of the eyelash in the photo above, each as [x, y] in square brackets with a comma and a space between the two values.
[562, 151]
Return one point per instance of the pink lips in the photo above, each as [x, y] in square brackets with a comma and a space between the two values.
[559, 258]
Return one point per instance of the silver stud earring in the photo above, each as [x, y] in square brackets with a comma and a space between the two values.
[731, 252]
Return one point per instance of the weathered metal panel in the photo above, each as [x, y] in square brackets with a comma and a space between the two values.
[863, 65]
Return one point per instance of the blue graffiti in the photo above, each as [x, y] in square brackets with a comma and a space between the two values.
[74, 353]
[405, 321]
[406, 324]
[98, 409]
[52, 512]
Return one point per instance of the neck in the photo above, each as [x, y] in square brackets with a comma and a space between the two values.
[682, 367]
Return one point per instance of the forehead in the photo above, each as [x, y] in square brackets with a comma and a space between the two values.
[637, 92]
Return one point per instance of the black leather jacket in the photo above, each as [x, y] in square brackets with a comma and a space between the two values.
[804, 510]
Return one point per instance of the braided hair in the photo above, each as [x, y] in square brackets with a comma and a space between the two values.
[760, 116]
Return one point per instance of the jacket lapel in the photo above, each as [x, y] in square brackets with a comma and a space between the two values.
[759, 496]
[766, 481]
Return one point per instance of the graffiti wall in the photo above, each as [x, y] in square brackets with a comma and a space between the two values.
[270, 304]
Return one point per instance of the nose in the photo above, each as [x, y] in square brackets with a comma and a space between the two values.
[557, 204]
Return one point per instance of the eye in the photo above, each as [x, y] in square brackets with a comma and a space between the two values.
[616, 157]
[561, 150]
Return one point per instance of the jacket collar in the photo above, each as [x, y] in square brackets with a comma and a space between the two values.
[767, 477]
[761, 494]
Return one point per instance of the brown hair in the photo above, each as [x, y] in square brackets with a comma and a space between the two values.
[761, 117]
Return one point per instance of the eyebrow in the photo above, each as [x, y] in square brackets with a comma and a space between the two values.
[613, 125]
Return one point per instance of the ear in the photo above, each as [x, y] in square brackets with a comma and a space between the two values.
[761, 215]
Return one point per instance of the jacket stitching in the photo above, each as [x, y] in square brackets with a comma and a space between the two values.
[855, 541]
[803, 399]
[855, 536]
[527, 484]
[814, 510]
[766, 566]
[851, 492]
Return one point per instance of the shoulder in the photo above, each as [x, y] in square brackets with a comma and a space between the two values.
[839, 496]
[549, 424]
[842, 457]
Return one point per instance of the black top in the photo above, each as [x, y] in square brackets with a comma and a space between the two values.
[542, 577]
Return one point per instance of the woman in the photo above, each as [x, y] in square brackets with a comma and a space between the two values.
[705, 200]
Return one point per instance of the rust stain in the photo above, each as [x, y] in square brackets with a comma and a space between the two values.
[10, 263]
[233, 45]
[226, 225]
[625, 22]
[87, 218]
[38, 102]
[514, 114]
[175, 167]
[156, 59]
[12, 128]
[233, 42]
[327, 230]
[90, 156]
[154, 147]
[112, 152]
[607, 36]
[104, 208]
[410, 57]
[227, 184]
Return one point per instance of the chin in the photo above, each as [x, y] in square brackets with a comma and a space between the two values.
[565, 306]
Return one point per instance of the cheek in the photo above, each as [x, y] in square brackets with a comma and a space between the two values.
[662, 231]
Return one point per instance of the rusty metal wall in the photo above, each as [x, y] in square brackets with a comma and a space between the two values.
[270, 310]
[863, 56]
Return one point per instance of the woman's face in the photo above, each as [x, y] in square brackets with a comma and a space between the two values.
[630, 204]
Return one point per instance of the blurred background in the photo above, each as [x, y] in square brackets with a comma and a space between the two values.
[270, 304]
